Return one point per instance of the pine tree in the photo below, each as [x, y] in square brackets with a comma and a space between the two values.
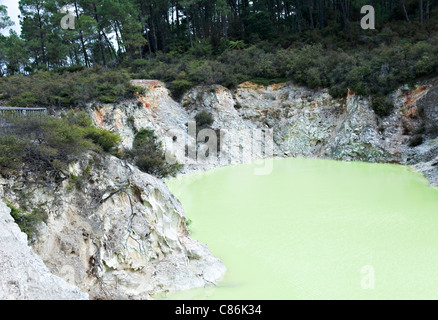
[5, 21]
[35, 28]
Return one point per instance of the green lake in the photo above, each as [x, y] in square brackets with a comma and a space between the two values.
[315, 229]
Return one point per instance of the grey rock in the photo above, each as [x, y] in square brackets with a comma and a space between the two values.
[23, 275]
[118, 234]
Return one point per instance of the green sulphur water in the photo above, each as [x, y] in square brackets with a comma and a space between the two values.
[315, 229]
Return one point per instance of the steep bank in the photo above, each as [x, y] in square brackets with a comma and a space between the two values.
[115, 232]
[303, 122]
[23, 275]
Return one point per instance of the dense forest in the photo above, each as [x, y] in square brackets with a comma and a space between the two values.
[318, 43]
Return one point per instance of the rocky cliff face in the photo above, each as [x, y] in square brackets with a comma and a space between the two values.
[115, 232]
[23, 275]
[302, 122]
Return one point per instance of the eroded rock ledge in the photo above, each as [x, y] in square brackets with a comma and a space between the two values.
[116, 233]
[23, 275]
[304, 122]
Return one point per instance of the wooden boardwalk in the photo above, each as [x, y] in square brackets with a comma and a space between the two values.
[10, 112]
[23, 111]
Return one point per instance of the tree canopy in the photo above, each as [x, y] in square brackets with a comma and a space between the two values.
[112, 32]
[318, 43]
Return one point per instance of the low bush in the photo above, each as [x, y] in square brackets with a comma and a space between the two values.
[73, 87]
[28, 222]
[374, 68]
[416, 141]
[24, 100]
[148, 155]
[108, 141]
[11, 153]
[204, 119]
[180, 86]
[381, 107]
[46, 145]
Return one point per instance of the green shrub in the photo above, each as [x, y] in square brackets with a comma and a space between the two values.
[81, 118]
[103, 138]
[74, 182]
[71, 69]
[381, 107]
[73, 87]
[261, 81]
[11, 152]
[24, 100]
[204, 118]
[180, 86]
[189, 224]
[108, 99]
[416, 141]
[138, 64]
[28, 223]
[318, 58]
[338, 91]
[148, 155]
[46, 145]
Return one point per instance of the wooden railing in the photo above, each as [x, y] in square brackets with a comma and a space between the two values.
[7, 113]
[23, 111]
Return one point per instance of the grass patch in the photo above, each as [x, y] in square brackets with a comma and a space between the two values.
[28, 222]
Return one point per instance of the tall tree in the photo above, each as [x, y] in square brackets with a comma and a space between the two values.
[404, 10]
[321, 13]
[5, 20]
[34, 28]
[113, 32]
[81, 35]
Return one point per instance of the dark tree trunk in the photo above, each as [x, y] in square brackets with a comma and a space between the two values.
[427, 9]
[312, 26]
[102, 49]
[84, 49]
[321, 14]
[43, 45]
[404, 10]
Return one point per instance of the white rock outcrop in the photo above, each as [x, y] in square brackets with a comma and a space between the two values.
[304, 123]
[116, 232]
[23, 275]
